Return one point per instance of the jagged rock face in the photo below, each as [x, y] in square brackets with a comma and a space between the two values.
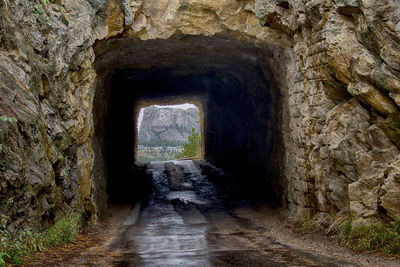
[47, 79]
[340, 85]
[343, 104]
[172, 124]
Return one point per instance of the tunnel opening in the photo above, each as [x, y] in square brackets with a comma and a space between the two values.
[238, 84]
[163, 127]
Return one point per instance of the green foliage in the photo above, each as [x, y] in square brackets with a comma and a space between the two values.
[374, 237]
[3, 255]
[61, 232]
[39, 8]
[346, 230]
[11, 248]
[15, 246]
[8, 119]
[192, 148]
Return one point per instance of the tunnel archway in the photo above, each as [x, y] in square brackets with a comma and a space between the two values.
[240, 85]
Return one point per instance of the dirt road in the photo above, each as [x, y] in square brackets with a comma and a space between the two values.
[186, 223]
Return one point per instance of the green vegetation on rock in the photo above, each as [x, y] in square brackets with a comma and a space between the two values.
[8, 119]
[13, 247]
[39, 8]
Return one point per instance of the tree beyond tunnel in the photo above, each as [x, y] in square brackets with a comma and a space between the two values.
[237, 84]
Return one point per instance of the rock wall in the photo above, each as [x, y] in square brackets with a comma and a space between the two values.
[343, 102]
[47, 76]
[172, 124]
[341, 90]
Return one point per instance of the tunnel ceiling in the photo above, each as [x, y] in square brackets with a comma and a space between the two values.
[186, 54]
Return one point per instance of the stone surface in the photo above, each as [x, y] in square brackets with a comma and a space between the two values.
[338, 54]
[172, 124]
[343, 151]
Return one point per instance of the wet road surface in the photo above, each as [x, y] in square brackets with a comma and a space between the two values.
[184, 223]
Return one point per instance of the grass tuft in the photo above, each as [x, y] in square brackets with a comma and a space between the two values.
[13, 247]
[63, 231]
[372, 237]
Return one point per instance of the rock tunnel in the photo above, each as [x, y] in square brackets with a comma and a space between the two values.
[300, 101]
[237, 83]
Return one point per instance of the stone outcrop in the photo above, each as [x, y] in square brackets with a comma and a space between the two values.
[340, 88]
[172, 124]
[342, 100]
[47, 77]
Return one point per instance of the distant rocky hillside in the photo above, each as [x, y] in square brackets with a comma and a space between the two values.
[172, 124]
